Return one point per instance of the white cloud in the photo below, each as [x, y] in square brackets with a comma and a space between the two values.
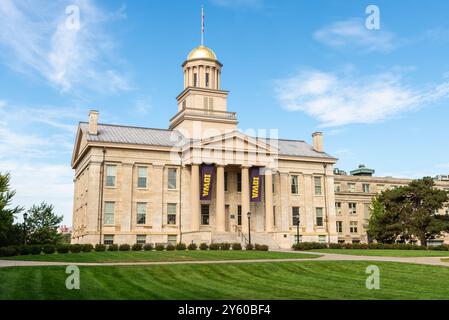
[143, 105]
[36, 40]
[353, 35]
[337, 100]
[35, 147]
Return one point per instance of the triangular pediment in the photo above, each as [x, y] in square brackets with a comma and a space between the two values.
[234, 141]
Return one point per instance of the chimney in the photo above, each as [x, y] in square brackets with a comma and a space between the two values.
[93, 122]
[318, 141]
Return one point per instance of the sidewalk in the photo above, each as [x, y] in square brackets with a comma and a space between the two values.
[434, 261]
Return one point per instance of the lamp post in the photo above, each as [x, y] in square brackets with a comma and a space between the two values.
[297, 232]
[25, 217]
[249, 227]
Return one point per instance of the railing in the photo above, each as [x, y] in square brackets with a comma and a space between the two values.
[206, 113]
[240, 234]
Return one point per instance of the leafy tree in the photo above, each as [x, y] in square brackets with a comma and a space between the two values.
[42, 225]
[9, 233]
[408, 211]
[423, 201]
[383, 224]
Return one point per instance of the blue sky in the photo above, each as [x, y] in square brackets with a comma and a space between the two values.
[380, 96]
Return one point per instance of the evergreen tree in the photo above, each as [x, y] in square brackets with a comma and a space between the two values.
[8, 231]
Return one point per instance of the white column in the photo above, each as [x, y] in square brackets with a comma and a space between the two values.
[220, 203]
[245, 199]
[195, 193]
[268, 200]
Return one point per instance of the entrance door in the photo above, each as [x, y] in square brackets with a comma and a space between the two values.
[227, 218]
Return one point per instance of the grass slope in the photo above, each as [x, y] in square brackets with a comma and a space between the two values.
[281, 280]
[149, 256]
[387, 253]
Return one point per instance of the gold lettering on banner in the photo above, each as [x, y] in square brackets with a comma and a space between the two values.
[255, 188]
[206, 185]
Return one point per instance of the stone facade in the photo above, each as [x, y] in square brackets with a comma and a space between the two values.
[142, 185]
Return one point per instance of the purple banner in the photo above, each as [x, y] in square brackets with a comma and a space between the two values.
[255, 184]
[207, 181]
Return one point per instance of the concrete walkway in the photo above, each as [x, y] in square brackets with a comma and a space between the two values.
[434, 261]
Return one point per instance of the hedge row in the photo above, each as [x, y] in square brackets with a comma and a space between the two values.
[77, 248]
[304, 246]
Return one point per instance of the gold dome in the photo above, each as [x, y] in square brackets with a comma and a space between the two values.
[202, 52]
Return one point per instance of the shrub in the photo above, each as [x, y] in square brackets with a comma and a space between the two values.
[304, 246]
[100, 248]
[192, 247]
[261, 247]
[63, 248]
[249, 247]
[137, 247]
[170, 247]
[24, 250]
[236, 246]
[148, 247]
[8, 251]
[76, 248]
[87, 248]
[225, 246]
[36, 249]
[181, 247]
[49, 249]
[113, 247]
[124, 247]
[204, 246]
[214, 246]
[160, 247]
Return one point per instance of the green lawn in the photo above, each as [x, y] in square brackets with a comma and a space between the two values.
[387, 253]
[157, 256]
[280, 280]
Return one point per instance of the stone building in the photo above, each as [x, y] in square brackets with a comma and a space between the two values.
[203, 180]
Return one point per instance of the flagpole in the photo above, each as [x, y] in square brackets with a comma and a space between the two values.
[202, 26]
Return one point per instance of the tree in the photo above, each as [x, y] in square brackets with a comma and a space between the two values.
[383, 224]
[42, 225]
[423, 201]
[8, 231]
[408, 211]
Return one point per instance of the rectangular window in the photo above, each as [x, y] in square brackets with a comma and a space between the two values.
[365, 188]
[294, 186]
[322, 239]
[195, 79]
[111, 173]
[337, 187]
[108, 239]
[295, 216]
[141, 239]
[319, 217]
[171, 213]
[205, 214]
[273, 184]
[109, 208]
[338, 207]
[172, 175]
[239, 182]
[274, 216]
[226, 181]
[353, 227]
[172, 239]
[351, 187]
[340, 226]
[239, 215]
[352, 208]
[318, 190]
[141, 213]
[142, 174]
[207, 79]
